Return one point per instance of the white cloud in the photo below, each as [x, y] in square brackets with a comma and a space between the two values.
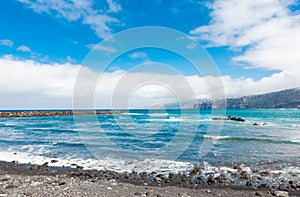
[74, 10]
[33, 78]
[99, 47]
[99, 23]
[138, 55]
[6, 42]
[113, 6]
[71, 60]
[23, 48]
[191, 46]
[29, 84]
[267, 31]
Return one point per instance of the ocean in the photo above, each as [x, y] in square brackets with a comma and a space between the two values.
[164, 141]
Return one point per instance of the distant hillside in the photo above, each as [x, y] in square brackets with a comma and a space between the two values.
[283, 99]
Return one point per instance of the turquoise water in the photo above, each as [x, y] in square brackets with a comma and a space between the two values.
[155, 139]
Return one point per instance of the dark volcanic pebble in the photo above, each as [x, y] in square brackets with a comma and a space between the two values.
[258, 194]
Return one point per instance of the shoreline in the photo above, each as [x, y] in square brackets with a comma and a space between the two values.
[32, 179]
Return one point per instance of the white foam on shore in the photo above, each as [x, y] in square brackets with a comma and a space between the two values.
[275, 177]
[118, 165]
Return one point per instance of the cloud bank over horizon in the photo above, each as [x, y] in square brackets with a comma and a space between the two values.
[36, 85]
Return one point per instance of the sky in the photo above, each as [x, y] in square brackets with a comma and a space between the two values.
[255, 45]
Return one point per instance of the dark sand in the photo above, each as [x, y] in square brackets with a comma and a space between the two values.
[35, 180]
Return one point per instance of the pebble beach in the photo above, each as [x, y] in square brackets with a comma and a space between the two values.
[42, 180]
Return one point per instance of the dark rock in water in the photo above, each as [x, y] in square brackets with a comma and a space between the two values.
[236, 119]
[231, 118]
[263, 186]
[171, 175]
[256, 124]
[249, 184]
[175, 178]
[54, 161]
[153, 173]
[264, 173]
[144, 176]
[199, 180]
[224, 185]
[283, 187]
[211, 180]
[160, 175]
[245, 176]
[195, 171]
[238, 168]
[222, 177]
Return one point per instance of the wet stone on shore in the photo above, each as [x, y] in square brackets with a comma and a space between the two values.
[196, 178]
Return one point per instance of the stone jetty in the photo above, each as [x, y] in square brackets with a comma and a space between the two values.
[7, 114]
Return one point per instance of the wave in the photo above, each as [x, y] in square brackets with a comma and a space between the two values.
[118, 165]
[273, 175]
[295, 140]
[213, 137]
[229, 138]
[158, 114]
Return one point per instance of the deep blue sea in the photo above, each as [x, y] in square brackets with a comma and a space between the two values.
[160, 140]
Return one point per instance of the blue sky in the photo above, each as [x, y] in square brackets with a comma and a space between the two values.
[54, 39]
[244, 38]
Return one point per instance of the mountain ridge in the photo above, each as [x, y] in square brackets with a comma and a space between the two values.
[288, 98]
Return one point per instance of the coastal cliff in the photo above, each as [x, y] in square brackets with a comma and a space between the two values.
[289, 98]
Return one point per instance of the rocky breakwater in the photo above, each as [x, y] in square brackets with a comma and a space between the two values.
[7, 114]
